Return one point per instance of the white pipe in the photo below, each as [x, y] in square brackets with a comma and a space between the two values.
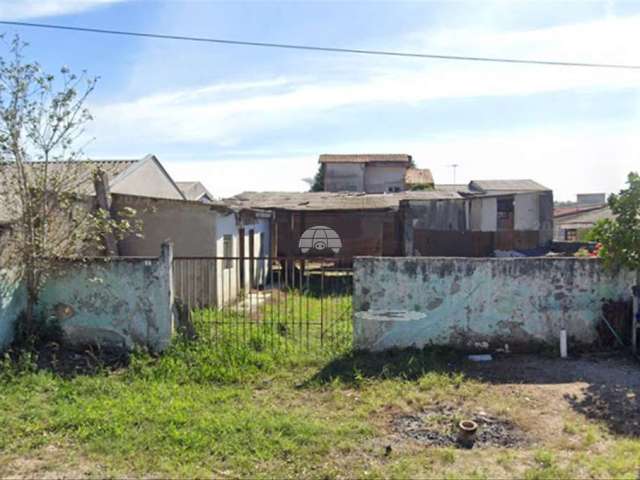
[563, 343]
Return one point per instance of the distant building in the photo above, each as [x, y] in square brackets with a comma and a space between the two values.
[472, 220]
[572, 221]
[373, 173]
[195, 191]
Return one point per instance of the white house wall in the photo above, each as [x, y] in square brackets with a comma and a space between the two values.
[484, 214]
[526, 211]
[228, 279]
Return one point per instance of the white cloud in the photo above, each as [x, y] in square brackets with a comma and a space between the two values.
[25, 9]
[568, 161]
[227, 114]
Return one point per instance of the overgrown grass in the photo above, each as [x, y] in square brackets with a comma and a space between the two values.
[244, 411]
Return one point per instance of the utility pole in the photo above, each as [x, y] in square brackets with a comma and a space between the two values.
[454, 166]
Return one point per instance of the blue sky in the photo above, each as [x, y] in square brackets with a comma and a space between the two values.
[240, 118]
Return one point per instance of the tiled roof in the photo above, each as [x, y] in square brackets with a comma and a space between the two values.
[333, 200]
[585, 218]
[365, 158]
[76, 176]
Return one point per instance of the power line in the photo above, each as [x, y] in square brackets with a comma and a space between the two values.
[322, 49]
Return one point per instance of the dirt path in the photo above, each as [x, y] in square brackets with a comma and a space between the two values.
[605, 388]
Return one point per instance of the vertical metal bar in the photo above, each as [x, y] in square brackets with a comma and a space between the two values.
[322, 305]
[273, 292]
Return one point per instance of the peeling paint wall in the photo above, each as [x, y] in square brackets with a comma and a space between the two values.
[120, 302]
[480, 303]
[13, 300]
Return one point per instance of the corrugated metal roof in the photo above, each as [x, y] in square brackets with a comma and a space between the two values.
[333, 200]
[418, 176]
[365, 158]
[76, 176]
[451, 187]
[525, 185]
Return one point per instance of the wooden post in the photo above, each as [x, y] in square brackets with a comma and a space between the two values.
[101, 185]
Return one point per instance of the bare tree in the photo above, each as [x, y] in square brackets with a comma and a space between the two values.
[45, 194]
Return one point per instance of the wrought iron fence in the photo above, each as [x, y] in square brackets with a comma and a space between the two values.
[297, 304]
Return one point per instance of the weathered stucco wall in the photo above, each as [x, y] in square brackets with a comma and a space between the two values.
[189, 225]
[379, 178]
[12, 302]
[114, 303]
[344, 177]
[473, 303]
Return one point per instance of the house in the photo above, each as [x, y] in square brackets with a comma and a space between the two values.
[471, 220]
[572, 221]
[372, 173]
[195, 191]
[488, 216]
[219, 250]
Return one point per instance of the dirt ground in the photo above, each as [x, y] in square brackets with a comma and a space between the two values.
[526, 403]
[603, 387]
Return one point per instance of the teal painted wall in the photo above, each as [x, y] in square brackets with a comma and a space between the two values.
[479, 304]
[118, 303]
[12, 302]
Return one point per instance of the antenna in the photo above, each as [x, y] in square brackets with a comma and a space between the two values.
[454, 166]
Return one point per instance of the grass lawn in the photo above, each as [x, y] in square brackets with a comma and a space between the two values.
[200, 411]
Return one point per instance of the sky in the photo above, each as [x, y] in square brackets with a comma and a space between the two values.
[246, 118]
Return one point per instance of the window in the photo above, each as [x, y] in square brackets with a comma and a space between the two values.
[393, 189]
[263, 247]
[571, 235]
[227, 251]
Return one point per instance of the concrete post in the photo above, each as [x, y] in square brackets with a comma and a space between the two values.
[166, 257]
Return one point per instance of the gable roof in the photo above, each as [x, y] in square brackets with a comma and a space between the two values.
[79, 175]
[507, 186]
[365, 158]
[585, 218]
[318, 201]
[194, 191]
[418, 176]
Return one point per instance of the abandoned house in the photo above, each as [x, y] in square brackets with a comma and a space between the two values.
[373, 173]
[198, 228]
[474, 220]
[488, 216]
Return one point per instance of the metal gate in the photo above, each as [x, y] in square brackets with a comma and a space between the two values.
[267, 303]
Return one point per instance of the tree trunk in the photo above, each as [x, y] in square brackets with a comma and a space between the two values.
[101, 185]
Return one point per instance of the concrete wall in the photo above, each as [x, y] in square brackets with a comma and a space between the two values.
[475, 304]
[118, 303]
[380, 178]
[361, 177]
[13, 300]
[344, 177]
[189, 225]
